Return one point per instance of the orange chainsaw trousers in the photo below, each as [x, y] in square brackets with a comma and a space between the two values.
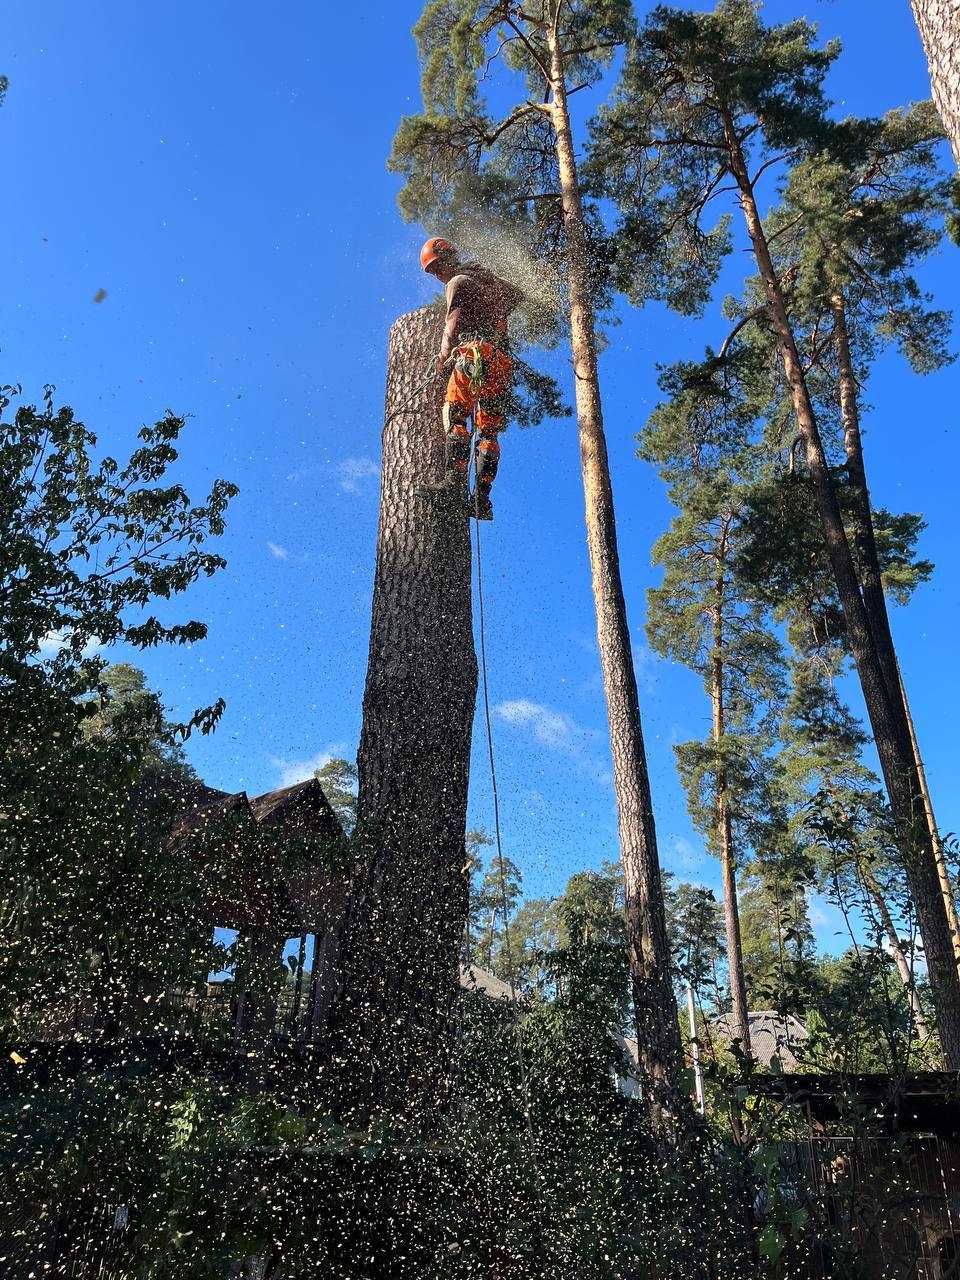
[478, 387]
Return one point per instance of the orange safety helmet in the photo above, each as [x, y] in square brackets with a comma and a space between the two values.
[434, 249]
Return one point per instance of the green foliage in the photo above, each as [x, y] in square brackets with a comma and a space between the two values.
[493, 902]
[692, 82]
[695, 928]
[568, 1180]
[208, 1175]
[538, 1169]
[94, 903]
[778, 943]
[86, 542]
[856, 220]
[338, 778]
[860, 1020]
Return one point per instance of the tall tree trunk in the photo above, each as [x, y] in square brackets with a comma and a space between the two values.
[939, 23]
[943, 872]
[398, 946]
[695, 1051]
[657, 1022]
[724, 831]
[874, 599]
[886, 718]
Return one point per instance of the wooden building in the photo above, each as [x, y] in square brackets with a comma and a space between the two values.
[872, 1162]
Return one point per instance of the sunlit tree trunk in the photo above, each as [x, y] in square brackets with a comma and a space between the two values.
[897, 950]
[398, 946]
[658, 1031]
[939, 23]
[874, 599]
[943, 871]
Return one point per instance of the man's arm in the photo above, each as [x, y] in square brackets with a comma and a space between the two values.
[450, 331]
[457, 291]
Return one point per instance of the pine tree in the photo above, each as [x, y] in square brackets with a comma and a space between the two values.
[830, 793]
[701, 616]
[493, 903]
[708, 104]
[695, 922]
[519, 174]
[851, 228]
[840, 813]
[338, 778]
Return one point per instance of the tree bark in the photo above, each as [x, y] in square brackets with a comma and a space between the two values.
[943, 872]
[939, 23]
[724, 827]
[657, 1022]
[887, 720]
[397, 950]
[874, 601]
[874, 598]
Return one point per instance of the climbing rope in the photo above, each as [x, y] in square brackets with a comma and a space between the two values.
[504, 898]
[409, 404]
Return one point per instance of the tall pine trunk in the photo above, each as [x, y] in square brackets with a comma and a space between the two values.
[398, 947]
[889, 727]
[874, 598]
[943, 872]
[724, 824]
[939, 23]
[657, 1023]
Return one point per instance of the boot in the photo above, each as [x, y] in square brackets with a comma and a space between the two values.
[479, 504]
[487, 460]
[453, 482]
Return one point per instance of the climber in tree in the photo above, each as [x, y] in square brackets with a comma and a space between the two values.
[475, 348]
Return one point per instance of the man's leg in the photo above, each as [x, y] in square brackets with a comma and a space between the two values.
[487, 462]
[490, 418]
[456, 440]
[456, 445]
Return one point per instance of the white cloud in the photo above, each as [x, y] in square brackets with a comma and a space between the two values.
[828, 922]
[558, 732]
[353, 472]
[278, 552]
[290, 772]
[55, 641]
[552, 728]
[685, 855]
[645, 663]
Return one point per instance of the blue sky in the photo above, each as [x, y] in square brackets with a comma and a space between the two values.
[218, 169]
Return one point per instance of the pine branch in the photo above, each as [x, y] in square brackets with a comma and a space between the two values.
[737, 328]
[488, 139]
[778, 159]
[527, 44]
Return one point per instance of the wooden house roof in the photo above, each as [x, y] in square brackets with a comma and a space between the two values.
[268, 858]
